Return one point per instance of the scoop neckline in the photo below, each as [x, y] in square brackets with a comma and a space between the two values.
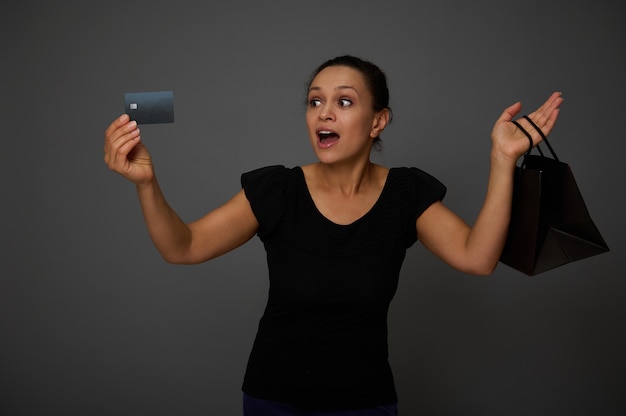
[362, 218]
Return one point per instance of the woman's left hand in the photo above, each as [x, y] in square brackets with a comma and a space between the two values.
[509, 143]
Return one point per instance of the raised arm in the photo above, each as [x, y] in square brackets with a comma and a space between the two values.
[477, 249]
[218, 232]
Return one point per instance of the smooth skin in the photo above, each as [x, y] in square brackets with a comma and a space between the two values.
[344, 183]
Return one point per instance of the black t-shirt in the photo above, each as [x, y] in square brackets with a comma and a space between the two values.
[322, 340]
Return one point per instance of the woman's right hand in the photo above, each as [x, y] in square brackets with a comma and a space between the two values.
[124, 152]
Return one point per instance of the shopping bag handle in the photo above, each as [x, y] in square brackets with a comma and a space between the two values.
[530, 139]
[543, 136]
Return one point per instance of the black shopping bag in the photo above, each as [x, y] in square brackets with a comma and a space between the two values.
[550, 224]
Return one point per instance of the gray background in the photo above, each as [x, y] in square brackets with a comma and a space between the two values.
[93, 322]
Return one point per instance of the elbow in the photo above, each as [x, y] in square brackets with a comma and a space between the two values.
[482, 269]
[483, 272]
[186, 258]
[179, 261]
[482, 263]
[175, 258]
[172, 259]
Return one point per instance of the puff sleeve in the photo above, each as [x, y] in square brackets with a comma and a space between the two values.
[423, 190]
[265, 189]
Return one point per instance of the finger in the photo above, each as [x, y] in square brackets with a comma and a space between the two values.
[549, 124]
[119, 133]
[116, 124]
[553, 110]
[510, 112]
[554, 101]
[118, 160]
[546, 111]
[545, 117]
[120, 127]
[117, 151]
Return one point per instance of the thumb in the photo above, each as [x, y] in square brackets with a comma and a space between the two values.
[511, 112]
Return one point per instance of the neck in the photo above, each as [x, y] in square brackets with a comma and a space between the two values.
[349, 180]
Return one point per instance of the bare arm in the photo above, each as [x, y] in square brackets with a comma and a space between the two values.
[218, 232]
[477, 249]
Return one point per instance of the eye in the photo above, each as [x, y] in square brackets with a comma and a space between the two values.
[315, 102]
[344, 102]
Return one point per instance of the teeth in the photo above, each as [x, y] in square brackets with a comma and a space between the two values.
[325, 132]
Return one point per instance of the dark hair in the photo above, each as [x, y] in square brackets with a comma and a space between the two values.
[374, 77]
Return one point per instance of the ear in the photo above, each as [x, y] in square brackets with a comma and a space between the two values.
[381, 119]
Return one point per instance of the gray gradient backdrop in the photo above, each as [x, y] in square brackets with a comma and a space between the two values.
[93, 322]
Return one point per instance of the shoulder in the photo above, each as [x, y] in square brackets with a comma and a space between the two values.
[267, 190]
[273, 176]
[264, 172]
[417, 178]
[419, 187]
[413, 174]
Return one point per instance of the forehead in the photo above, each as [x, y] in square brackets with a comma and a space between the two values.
[339, 76]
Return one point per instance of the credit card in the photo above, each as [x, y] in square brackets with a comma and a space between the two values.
[150, 107]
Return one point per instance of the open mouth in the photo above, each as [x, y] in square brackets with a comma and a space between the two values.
[327, 137]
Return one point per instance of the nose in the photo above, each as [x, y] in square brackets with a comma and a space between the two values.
[326, 112]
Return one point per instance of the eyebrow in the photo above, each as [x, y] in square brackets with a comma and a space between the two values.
[339, 87]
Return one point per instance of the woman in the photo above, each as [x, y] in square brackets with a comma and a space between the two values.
[336, 233]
